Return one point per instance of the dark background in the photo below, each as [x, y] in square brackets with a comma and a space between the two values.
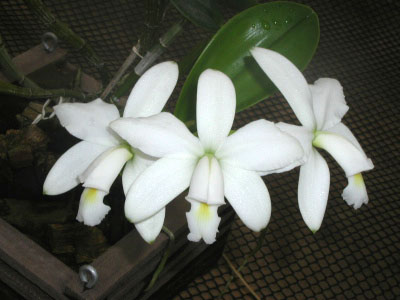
[356, 253]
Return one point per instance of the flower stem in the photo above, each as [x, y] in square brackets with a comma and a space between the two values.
[11, 71]
[260, 241]
[164, 258]
[31, 93]
[155, 13]
[234, 270]
[128, 61]
[129, 81]
[155, 10]
[66, 34]
[156, 51]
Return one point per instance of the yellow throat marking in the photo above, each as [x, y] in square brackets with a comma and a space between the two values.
[204, 212]
[91, 195]
[358, 179]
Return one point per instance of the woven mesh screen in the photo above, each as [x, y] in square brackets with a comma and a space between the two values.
[356, 253]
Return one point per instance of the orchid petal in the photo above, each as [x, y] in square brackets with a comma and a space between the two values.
[150, 228]
[328, 102]
[313, 190]
[290, 82]
[89, 121]
[158, 185]
[203, 221]
[344, 131]
[215, 110]
[104, 169]
[158, 135]
[301, 134]
[63, 176]
[134, 167]
[355, 193]
[152, 90]
[260, 146]
[348, 156]
[91, 207]
[207, 183]
[248, 195]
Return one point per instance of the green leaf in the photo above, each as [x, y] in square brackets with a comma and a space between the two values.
[289, 28]
[203, 13]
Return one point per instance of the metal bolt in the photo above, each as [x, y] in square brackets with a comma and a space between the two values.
[88, 275]
[49, 41]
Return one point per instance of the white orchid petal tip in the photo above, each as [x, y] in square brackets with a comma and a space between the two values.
[150, 228]
[355, 194]
[91, 207]
[203, 222]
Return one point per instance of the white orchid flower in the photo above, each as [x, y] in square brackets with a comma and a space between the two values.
[320, 109]
[213, 165]
[98, 159]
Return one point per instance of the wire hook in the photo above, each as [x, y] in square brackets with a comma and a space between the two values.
[88, 275]
[49, 41]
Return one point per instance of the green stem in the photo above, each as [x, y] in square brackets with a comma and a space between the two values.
[260, 242]
[31, 93]
[155, 10]
[237, 273]
[156, 51]
[164, 258]
[128, 61]
[11, 71]
[130, 80]
[63, 32]
[76, 84]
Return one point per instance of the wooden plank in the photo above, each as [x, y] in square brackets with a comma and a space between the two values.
[131, 260]
[20, 284]
[34, 59]
[132, 253]
[37, 58]
[188, 259]
[88, 83]
[124, 269]
[33, 262]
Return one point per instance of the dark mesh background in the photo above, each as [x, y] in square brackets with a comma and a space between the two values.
[356, 253]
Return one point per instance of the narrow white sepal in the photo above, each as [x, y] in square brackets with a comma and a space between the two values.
[150, 228]
[102, 172]
[158, 185]
[355, 193]
[215, 108]
[290, 82]
[248, 195]
[134, 167]
[89, 121]
[152, 90]
[203, 222]
[313, 190]
[207, 183]
[91, 207]
[261, 146]
[168, 135]
[63, 176]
